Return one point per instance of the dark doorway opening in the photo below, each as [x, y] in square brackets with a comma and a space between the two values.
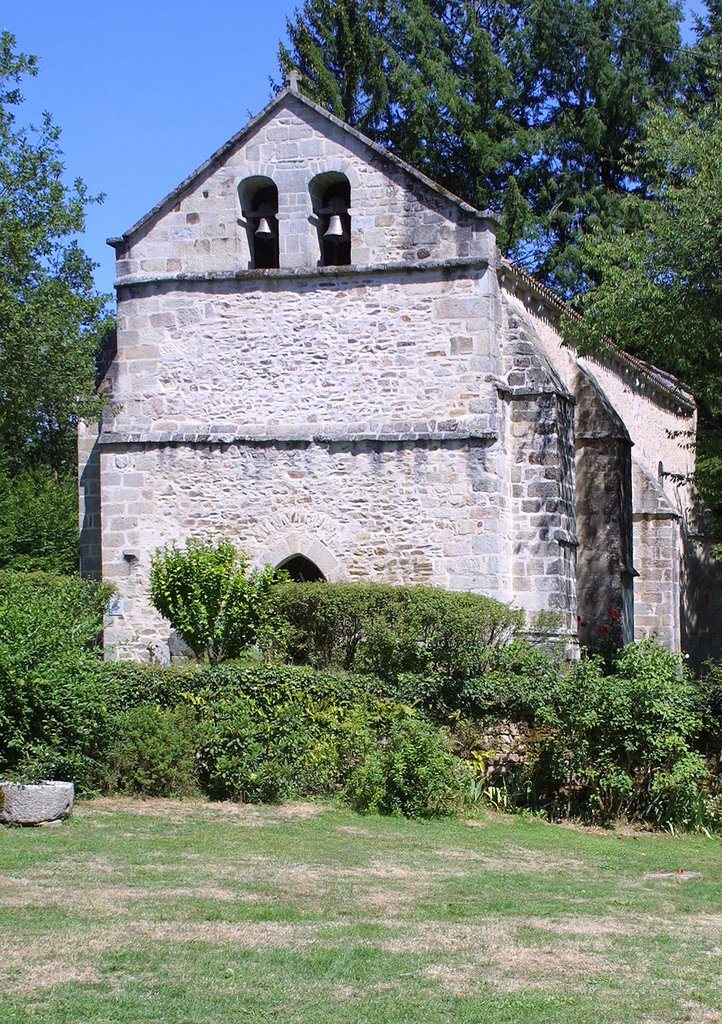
[302, 569]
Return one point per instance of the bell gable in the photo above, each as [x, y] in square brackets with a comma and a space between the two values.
[296, 190]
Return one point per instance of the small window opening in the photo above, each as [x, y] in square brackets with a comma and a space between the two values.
[259, 205]
[302, 569]
[331, 195]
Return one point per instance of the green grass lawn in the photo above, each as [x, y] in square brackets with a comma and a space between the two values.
[159, 912]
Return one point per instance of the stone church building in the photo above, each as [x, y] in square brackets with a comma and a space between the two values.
[323, 357]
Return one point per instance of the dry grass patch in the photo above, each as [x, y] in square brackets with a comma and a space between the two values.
[517, 859]
[47, 975]
[702, 1014]
[674, 876]
[353, 830]
[592, 927]
[387, 902]
[494, 956]
[178, 811]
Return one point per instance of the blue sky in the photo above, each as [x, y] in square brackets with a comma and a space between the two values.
[145, 91]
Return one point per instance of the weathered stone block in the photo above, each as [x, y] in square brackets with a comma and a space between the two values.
[35, 804]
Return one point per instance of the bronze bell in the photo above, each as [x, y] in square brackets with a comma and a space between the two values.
[264, 229]
[335, 227]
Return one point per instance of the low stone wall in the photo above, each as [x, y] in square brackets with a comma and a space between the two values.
[506, 746]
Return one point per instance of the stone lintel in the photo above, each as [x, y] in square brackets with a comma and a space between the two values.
[446, 266]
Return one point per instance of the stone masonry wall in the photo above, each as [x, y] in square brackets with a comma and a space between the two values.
[294, 356]
[393, 218]
[540, 443]
[468, 485]
[657, 593]
[401, 512]
[653, 424]
[658, 559]
[89, 501]
[620, 416]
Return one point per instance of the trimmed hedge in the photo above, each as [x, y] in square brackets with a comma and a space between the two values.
[52, 702]
[388, 630]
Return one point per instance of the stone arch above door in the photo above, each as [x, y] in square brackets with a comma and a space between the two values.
[305, 545]
[302, 569]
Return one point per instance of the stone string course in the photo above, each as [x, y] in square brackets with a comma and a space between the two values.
[425, 431]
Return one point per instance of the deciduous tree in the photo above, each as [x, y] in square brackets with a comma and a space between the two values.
[51, 317]
[660, 274]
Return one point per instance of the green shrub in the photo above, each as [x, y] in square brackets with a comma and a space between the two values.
[154, 751]
[273, 684]
[620, 744]
[52, 709]
[251, 756]
[396, 762]
[710, 687]
[38, 521]
[210, 598]
[387, 630]
[639, 726]
[278, 732]
[129, 684]
[45, 618]
[272, 730]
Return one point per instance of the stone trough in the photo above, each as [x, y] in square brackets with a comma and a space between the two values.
[35, 804]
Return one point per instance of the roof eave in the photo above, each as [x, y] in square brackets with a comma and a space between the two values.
[670, 388]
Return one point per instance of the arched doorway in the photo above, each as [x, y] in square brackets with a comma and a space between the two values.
[302, 569]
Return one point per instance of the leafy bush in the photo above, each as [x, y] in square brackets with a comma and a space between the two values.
[47, 618]
[396, 762]
[275, 733]
[38, 521]
[521, 681]
[209, 597]
[388, 630]
[272, 731]
[248, 756]
[630, 742]
[620, 744]
[154, 751]
[631, 737]
[52, 711]
[710, 686]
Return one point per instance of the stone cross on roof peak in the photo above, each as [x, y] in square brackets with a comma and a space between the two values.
[293, 80]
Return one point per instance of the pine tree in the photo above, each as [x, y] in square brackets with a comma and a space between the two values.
[704, 66]
[600, 68]
[338, 47]
[529, 107]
